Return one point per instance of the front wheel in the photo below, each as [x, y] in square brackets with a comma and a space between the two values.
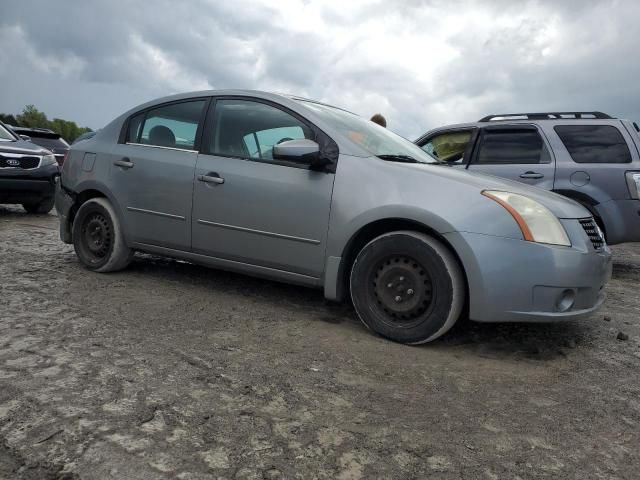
[407, 286]
[98, 239]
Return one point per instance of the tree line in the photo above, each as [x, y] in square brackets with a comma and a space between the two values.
[31, 117]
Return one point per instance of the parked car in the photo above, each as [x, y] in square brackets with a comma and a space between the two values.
[587, 156]
[46, 138]
[27, 173]
[299, 191]
[84, 136]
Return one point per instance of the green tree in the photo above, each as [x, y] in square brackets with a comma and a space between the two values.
[67, 130]
[33, 118]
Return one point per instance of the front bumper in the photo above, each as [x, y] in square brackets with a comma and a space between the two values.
[18, 185]
[64, 202]
[517, 281]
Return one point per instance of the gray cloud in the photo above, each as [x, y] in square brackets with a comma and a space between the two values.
[421, 63]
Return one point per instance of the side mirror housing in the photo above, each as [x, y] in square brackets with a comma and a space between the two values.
[26, 138]
[300, 151]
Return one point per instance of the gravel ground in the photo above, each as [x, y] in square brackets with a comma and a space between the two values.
[170, 370]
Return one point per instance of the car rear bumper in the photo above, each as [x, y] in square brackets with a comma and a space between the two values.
[64, 202]
[517, 281]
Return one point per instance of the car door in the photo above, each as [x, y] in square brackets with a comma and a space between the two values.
[152, 173]
[517, 151]
[250, 208]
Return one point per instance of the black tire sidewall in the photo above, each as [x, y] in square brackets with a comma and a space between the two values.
[43, 206]
[372, 316]
[85, 211]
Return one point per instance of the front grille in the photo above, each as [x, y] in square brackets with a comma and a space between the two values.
[23, 162]
[593, 232]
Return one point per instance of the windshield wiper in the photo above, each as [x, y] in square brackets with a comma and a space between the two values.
[398, 158]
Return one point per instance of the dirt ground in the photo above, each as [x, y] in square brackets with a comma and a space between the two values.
[170, 370]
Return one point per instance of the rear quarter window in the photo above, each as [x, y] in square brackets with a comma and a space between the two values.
[594, 143]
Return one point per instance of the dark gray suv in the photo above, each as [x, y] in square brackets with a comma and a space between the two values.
[28, 173]
[587, 156]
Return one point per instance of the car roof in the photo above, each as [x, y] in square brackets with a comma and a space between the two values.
[36, 132]
[274, 96]
[521, 121]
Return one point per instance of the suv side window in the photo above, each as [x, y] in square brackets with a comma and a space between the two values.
[594, 143]
[248, 129]
[449, 146]
[511, 146]
[174, 125]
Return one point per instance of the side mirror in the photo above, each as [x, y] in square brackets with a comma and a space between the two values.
[300, 151]
[26, 138]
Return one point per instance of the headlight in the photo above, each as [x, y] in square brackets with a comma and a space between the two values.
[536, 221]
[633, 180]
[48, 160]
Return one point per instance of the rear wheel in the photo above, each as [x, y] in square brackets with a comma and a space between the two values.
[98, 239]
[407, 286]
[43, 206]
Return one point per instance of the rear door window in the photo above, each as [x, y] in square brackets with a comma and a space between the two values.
[449, 146]
[173, 126]
[511, 146]
[594, 143]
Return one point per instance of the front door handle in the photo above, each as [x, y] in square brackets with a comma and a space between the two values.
[531, 175]
[211, 177]
[124, 163]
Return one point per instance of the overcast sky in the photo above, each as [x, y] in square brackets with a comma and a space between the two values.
[421, 63]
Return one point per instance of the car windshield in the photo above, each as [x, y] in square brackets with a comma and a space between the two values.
[375, 139]
[5, 135]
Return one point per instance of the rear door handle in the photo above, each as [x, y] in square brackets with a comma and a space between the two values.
[531, 175]
[124, 163]
[211, 177]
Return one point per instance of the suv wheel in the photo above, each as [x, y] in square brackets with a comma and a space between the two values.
[408, 287]
[43, 206]
[98, 239]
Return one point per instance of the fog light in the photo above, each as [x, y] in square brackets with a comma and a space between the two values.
[566, 300]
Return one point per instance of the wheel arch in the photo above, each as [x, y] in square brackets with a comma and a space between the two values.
[374, 229]
[86, 191]
[588, 202]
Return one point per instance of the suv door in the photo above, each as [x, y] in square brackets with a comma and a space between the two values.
[518, 152]
[250, 208]
[152, 173]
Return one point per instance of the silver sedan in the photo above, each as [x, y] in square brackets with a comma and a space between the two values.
[302, 192]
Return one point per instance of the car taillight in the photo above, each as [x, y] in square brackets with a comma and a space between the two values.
[633, 181]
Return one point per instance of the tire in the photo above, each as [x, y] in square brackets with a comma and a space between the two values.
[43, 206]
[97, 237]
[407, 287]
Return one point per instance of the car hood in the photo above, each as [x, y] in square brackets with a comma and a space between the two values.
[562, 207]
[22, 147]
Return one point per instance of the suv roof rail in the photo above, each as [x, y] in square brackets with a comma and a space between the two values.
[546, 116]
